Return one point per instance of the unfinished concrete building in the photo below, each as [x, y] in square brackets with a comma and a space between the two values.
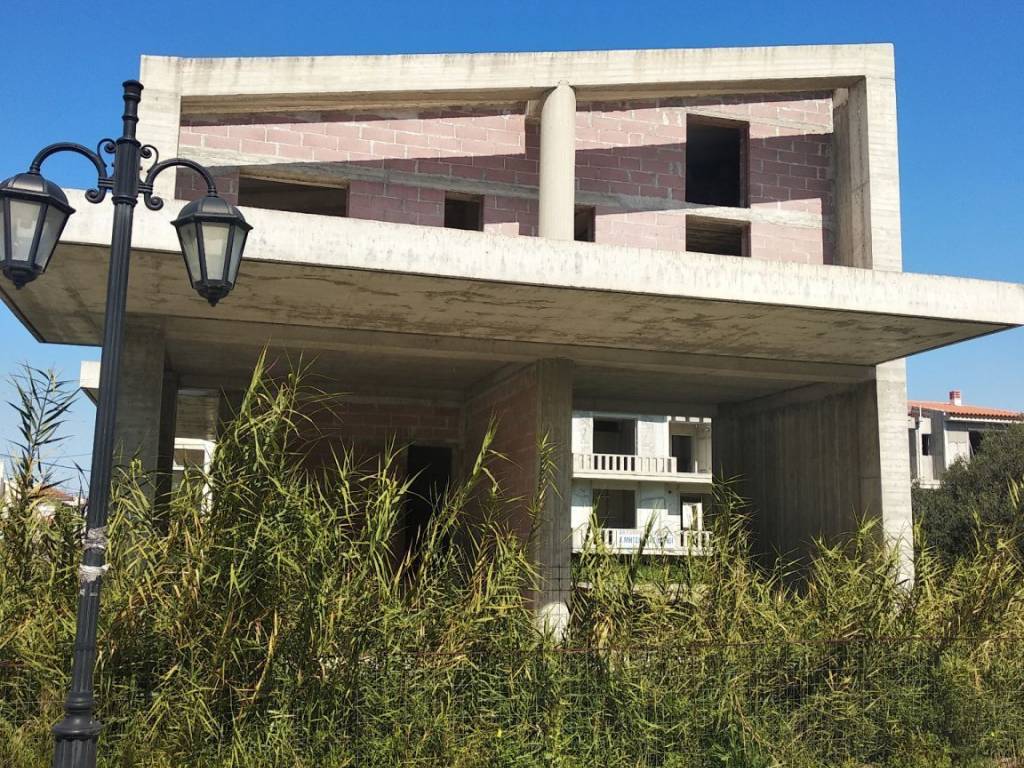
[713, 233]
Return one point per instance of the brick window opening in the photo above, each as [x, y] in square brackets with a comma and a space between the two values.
[725, 238]
[615, 507]
[292, 196]
[716, 153]
[584, 224]
[463, 212]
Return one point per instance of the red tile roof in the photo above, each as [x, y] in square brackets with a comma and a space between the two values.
[971, 411]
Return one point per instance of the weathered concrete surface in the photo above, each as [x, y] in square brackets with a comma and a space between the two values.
[338, 81]
[475, 285]
[140, 397]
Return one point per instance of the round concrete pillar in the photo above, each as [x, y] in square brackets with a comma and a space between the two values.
[558, 163]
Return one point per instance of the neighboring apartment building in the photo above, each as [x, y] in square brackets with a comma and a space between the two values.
[943, 433]
[451, 238]
[646, 480]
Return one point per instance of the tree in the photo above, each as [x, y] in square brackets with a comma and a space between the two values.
[975, 496]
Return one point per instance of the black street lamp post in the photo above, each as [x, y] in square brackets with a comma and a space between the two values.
[212, 233]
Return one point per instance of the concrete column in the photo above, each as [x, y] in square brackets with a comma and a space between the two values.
[868, 236]
[532, 405]
[885, 463]
[165, 442]
[553, 541]
[140, 399]
[558, 164]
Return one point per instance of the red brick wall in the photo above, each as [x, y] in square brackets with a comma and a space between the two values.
[632, 154]
[369, 427]
[513, 404]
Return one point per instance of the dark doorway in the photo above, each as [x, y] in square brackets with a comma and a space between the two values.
[682, 450]
[430, 468]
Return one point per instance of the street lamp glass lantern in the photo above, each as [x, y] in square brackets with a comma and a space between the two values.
[33, 212]
[212, 233]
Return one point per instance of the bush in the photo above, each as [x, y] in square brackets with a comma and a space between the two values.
[267, 621]
[974, 497]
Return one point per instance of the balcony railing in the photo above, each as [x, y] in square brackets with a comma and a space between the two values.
[624, 541]
[628, 465]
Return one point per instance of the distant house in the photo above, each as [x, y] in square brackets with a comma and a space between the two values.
[941, 433]
[641, 476]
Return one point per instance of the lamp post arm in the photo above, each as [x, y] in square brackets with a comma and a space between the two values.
[103, 181]
[155, 203]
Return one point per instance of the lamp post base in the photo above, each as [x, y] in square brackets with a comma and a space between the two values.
[76, 736]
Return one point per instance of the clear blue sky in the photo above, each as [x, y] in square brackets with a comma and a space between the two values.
[959, 79]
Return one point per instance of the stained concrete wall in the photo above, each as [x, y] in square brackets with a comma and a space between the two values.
[814, 462]
[799, 463]
[141, 401]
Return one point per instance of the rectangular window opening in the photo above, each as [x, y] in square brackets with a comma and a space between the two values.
[722, 237]
[584, 224]
[292, 196]
[463, 212]
[616, 436]
[615, 507]
[926, 445]
[716, 152]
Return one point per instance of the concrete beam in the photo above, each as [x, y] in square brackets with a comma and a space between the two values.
[319, 82]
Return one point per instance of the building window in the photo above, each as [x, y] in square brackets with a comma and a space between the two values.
[616, 436]
[926, 445]
[976, 439]
[725, 238]
[463, 212]
[615, 508]
[584, 224]
[292, 196]
[716, 152]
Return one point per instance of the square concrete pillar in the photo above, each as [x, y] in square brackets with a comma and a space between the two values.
[140, 402]
[532, 407]
[814, 461]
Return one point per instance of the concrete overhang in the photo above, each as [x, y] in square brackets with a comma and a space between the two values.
[316, 283]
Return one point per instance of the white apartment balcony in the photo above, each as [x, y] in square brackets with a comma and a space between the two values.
[661, 469]
[626, 541]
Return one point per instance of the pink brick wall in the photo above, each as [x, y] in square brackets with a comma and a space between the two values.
[631, 155]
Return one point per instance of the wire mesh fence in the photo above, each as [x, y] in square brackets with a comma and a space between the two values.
[851, 702]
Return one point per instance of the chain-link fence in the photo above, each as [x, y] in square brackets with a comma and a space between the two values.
[889, 701]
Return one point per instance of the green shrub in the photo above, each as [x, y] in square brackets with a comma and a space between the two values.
[267, 620]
